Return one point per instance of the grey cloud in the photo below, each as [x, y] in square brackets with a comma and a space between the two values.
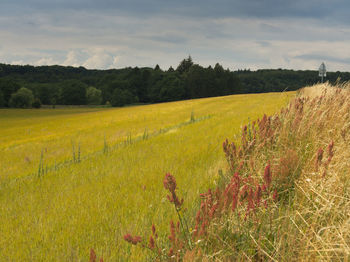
[168, 38]
[317, 9]
[324, 58]
[253, 33]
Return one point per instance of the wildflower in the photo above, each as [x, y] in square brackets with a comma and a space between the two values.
[275, 195]
[170, 184]
[151, 242]
[198, 217]
[153, 229]
[234, 201]
[133, 240]
[92, 255]
[319, 154]
[212, 210]
[267, 175]
[250, 200]
[172, 236]
[330, 151]
[171, 252]
[257, 196]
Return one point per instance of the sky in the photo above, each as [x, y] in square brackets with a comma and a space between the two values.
[239, 34]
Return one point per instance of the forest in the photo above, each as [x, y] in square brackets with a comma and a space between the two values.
[31, 86]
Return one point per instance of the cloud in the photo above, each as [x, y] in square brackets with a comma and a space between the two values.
[45, 61]
[324, 57]
[71, 59]
[236, 33]
[98, 59]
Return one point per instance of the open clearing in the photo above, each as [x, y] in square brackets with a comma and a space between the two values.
[72, 179]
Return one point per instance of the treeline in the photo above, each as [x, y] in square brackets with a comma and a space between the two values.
[278, 80]
[27, 86]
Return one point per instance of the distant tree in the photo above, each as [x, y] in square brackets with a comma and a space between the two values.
[185, 65]
[2, 99]
[108, 88]
[93, 96]
[8, 87]
[157, 68]
[171, 88]
[122, 97]
[73, 92]
[36, 103]
[23, 98]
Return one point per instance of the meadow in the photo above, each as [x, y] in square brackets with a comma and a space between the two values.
[282, 196]
[79, 178]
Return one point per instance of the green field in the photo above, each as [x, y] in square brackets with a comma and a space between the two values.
[79, 178]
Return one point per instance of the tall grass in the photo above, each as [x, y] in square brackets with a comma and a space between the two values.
[116, 187]
[285, 193]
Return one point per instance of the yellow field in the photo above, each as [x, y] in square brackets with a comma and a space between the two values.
[71, 203]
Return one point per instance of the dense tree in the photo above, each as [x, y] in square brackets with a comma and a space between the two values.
[73, 93]
[185, 65]
[122, 97]
[93, 96]
[69, 85]
[2, 99]
[23, 98]
[8, 87]
[171, 88]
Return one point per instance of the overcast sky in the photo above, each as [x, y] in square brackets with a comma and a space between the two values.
[238, 34]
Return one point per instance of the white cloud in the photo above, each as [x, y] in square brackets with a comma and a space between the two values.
[99, 59]
[45, 61]
[18, 62]
[71, 59]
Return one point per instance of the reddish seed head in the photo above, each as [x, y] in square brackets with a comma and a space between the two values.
[171, 252]
[330, 149]
[212, 210]
[172, 236]
[275, 195]
[267, 175]
[133, 240]
[92, 255]
[250, 200]
[319, 154]
[169, 182]
[257, 196]
[151, 242]
[153, 229]
[234, 201]
[265, 204]
[198, 217]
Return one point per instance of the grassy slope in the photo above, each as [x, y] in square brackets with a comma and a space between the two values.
[92, 203]
[302, 157]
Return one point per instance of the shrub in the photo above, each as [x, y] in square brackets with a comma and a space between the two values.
[23, 98]
[93, 96]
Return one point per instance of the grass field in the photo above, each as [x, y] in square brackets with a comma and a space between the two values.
[72, 179]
